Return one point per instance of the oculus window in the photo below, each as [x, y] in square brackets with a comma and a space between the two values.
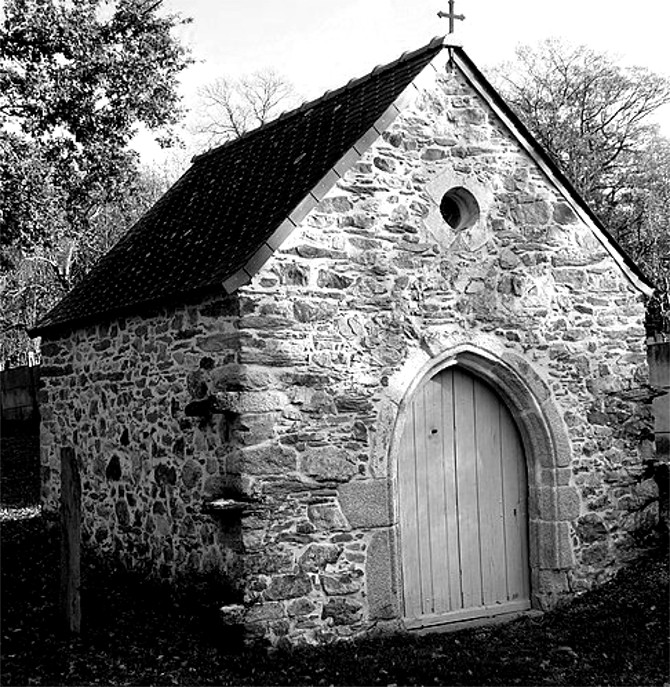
[459, 208]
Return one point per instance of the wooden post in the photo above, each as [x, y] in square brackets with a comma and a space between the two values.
[70, 499]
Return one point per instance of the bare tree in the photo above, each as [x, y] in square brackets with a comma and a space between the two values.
[231, 107]
[593, 116]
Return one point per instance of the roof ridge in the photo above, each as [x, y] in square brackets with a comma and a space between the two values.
[310, 104]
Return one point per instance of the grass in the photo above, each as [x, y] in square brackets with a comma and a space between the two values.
[135, 633]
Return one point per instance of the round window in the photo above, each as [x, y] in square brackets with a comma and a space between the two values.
[459, 208]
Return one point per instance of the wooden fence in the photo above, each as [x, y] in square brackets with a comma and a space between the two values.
[19, 436]
[18, 394]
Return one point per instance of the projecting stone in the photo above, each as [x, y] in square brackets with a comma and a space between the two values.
[232, 614]
[255, 428]
[240, 378]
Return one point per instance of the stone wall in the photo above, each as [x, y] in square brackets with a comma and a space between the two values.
[118, 392]
[299, 379]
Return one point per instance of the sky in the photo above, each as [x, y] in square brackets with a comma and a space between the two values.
[321, 44]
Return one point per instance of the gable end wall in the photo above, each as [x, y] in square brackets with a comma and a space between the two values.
[380, 286]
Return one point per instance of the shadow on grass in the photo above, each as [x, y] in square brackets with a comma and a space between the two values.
[137, 632]
[20, 463]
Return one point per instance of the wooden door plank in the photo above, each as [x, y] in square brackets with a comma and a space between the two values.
[514, 507]
[450, 491]
[408, 519]
[492, 532]
[436, 495]
[468, 507]
[421, 430]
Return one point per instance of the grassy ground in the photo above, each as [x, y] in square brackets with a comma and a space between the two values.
[135, 634]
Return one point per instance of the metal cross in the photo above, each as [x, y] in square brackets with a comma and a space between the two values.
[451, 16]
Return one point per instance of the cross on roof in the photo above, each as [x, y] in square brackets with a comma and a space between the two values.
[451, 16]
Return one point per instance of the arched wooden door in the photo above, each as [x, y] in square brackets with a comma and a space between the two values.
[462, 498]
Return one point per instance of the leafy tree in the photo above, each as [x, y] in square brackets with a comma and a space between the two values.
[232, 107]
[592, 115]
[77, 80]
[33, 279]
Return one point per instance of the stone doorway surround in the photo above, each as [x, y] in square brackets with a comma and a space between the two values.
[552, 501]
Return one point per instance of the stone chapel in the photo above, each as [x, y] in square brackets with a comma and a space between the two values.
[367, 363]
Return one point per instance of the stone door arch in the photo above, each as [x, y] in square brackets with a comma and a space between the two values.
[552, 501]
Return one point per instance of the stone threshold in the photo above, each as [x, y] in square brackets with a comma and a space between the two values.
[454, 625]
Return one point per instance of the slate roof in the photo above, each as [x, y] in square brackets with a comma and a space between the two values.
[211, 222]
